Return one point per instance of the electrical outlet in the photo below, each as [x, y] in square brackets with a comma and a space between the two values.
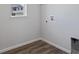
[51, 18]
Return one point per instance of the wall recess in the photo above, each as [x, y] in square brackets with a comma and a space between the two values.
[18, 10]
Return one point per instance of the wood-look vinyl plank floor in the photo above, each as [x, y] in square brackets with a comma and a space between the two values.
[38, 47]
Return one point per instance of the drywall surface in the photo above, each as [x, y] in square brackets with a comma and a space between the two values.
[64, 26]
[14, 31]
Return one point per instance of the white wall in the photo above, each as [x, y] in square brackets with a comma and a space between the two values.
[64, 26]
[14, 31]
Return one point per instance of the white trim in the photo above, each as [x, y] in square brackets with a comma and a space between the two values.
[15, 46]
[40, 38]
[51, 43]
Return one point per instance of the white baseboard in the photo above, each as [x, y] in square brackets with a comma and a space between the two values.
[51, 43]
[15, 46]
[40, 38]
